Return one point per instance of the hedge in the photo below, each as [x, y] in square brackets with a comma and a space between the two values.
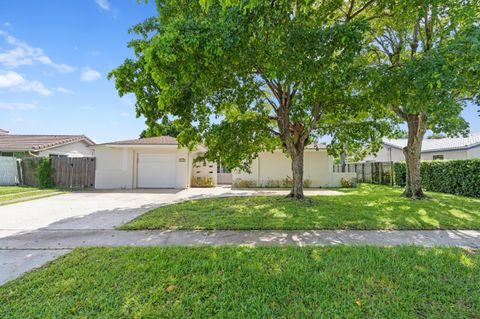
[458, 177]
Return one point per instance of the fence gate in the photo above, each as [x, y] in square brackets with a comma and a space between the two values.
[73, 172]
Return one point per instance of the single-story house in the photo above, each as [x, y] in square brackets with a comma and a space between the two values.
[16, 145]
[159, 162]
[432, 149]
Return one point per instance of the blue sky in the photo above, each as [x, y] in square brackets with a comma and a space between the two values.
[54, 58]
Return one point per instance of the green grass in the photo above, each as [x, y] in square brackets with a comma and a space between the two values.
[366, 207]
[241, 282]
[15, 194]
[7, 190]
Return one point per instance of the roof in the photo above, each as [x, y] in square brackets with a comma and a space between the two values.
[442, 144]
[15, 142]
[158, 140]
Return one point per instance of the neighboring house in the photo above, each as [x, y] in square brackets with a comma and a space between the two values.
[159, 162]
[432, 149]
[44, 145]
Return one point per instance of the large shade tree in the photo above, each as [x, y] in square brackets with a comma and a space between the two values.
[428, 58]
[244, 78]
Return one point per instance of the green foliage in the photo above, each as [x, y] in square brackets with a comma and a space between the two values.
[460, 177]
[436, 136]
[244, 183]
[307, 183]
[400, 173]
[44, 173]
[286, 182]
[220, 71]
[202, 182]
[427, 56]
[166, 128]
[347, 183]
[365, 207]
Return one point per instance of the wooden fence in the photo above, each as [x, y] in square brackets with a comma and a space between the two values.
[68, 172]
[372, 172]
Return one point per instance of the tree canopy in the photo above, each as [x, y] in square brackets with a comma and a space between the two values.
[245, 79]
[427, 55]
[242, 77]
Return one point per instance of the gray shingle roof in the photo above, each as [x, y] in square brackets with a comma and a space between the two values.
[443, 144]
[14, 142]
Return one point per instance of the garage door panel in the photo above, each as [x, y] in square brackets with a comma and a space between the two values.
[156, 170]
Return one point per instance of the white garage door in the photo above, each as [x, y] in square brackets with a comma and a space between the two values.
[156, 171]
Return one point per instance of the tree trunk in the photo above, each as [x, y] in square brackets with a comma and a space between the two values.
[412, 152]
[297, 171]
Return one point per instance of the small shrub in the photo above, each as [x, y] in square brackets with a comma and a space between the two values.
[307, 183]
[347, 183]
[202, 182]
[287, 182]
[44, 173]
[244, 183]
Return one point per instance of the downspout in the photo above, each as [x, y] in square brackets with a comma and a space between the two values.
[258, 173]
[189, 168]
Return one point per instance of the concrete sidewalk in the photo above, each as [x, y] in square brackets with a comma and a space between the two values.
[69, 239]
[24, 251]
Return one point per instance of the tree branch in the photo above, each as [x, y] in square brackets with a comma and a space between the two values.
[400, 112]
[366, 5]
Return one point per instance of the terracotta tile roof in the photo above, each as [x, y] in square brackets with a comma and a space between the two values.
[442, 144]
[14, 142]
[158, 140]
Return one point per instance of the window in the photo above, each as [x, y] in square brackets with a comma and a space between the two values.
[438, 157]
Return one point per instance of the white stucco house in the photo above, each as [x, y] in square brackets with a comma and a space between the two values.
[159, 162]
[432, 149]
[18, 145]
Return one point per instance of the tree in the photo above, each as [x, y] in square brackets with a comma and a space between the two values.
[243, 79]
[427, 53]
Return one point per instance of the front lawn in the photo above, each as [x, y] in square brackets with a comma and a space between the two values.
[15, 194]
[241, 282]
[366, 207]
[8, 190]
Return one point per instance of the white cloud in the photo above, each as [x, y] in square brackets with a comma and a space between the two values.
[13, 80]
[17, 106]
[125, 114]
[94, 53]
[24, 54]
[7, 24]
[89, 74]
[103, 4]
[35, 86]
[64, 90]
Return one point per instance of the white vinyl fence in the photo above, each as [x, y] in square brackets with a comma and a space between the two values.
[8, 171]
